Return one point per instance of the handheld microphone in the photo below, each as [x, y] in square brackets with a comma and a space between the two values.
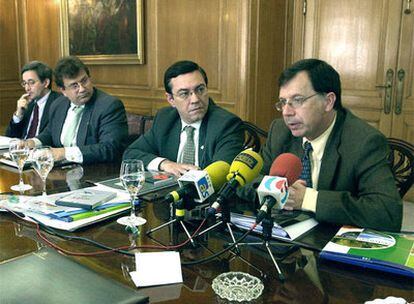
[273, 189]
[200, 184]
[244, 168]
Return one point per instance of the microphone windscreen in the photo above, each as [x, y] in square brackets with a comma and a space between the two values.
[217, 172]
[287, 165]
[245, 167]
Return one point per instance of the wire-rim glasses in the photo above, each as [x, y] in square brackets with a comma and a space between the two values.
[295, 102]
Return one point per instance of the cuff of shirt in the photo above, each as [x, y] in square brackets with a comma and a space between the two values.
[310, 199]
[16, 119]
[73, 154]
[154, 165]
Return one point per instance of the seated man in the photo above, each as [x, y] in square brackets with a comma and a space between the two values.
[193, 132]
[86, 125]
[31, 116]
[346, 177]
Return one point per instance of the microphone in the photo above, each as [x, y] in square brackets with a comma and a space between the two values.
[200, 184]
[244, 168]
[273, 189]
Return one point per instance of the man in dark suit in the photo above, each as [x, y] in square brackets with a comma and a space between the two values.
[86, 125]
[214, 132]
[31, 116]
[349, 180]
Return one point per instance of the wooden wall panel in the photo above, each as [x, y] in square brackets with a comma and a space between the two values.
[239, 44]
[9, 60]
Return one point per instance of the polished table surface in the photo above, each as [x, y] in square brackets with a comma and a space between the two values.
[308, 279]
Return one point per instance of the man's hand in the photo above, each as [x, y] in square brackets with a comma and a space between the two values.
[58, 154]
[296, 195]
[176, 168]
[22, 105]
[30, 143]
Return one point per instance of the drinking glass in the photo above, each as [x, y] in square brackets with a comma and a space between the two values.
[132, 176]
[43, 163]
[19, 152]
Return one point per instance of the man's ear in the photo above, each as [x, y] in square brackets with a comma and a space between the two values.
[63, 91]
[46, 82]
[330, 101]
[170, 99]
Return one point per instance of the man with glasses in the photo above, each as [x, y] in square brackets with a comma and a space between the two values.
[31, 116]
[193, 132]
[86, 125]
[345, 178]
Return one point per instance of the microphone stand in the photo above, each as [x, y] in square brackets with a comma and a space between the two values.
[225, 212]
[267, 226]
[179, 217]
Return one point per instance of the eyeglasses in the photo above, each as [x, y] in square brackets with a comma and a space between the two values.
[30, 83]
[295, 102]
[76, 85]
[200, 91]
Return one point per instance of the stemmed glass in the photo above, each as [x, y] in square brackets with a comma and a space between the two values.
[19, 152]
[132, 176]
[43, 163]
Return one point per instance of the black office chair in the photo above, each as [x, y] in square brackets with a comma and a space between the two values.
[253, 136]
[401, 160]
[137, 125]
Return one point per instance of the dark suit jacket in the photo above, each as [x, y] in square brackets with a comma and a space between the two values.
[103, 129]
[355, 184]
[220, 137]
[19, 130]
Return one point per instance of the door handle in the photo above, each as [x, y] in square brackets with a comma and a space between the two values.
[388, 90]
[400, 92]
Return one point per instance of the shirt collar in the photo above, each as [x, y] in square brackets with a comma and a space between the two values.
[195, 125]
[319, 143]
[43, 99]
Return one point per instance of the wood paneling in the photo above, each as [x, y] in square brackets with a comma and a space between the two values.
[240, 44]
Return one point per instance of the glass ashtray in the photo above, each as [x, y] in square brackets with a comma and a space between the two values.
[237, 286]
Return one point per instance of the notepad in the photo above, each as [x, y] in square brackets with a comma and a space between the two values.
[45, 277]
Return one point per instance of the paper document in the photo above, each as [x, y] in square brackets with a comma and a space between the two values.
[157, 268]
[4, 142]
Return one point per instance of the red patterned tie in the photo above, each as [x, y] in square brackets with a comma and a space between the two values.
[35, 121]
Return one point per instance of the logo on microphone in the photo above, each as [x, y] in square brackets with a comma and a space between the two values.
[279, 185]
[203, 185]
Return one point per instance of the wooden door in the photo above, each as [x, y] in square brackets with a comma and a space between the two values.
[403, 106]
[360, 40]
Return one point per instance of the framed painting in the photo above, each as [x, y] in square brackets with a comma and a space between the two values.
[103, 31]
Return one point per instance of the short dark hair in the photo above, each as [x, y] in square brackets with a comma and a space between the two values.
[42, 70]
[68, 67]
[180, 68]
[324, 78]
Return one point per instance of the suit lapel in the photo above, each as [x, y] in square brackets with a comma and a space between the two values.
[84, 124]
[331, 157]
[45, 115]
[60, 120]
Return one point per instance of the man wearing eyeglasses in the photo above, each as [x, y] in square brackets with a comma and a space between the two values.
[193, 132]
[345, 178]
[31, 116]
[86, 125]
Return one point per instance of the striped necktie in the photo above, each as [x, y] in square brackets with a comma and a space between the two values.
[306, 164]
[72, 127]
[189, 148]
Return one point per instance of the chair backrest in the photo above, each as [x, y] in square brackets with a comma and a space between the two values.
[253, 136]
[138, 124]
[401, 160]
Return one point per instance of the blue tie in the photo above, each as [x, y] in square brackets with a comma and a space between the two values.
[306, 165]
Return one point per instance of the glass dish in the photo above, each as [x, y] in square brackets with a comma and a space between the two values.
[237, 286]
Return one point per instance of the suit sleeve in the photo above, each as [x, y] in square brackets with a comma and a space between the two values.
[376, 202]
[111, 131]
[229, 141]
[16, 129]
[145, 147]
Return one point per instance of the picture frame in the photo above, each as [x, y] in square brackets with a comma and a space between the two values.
[103, 31]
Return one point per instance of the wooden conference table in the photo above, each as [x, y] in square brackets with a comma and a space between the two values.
[308, 280]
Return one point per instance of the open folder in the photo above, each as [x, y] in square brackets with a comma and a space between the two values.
[45, 276]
